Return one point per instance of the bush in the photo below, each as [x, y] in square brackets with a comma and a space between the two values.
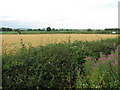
[101, 73]
[52, 66]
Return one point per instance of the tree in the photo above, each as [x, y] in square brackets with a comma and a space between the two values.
[39, 29]
[48, 29]
[89, 29]
[43, 29]
[19, 32]
[53, 29]
[6, 29]
[29, 29]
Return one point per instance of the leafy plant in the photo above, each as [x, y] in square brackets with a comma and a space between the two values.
[101, 73]
[60, 65]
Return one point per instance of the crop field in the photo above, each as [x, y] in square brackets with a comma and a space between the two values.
[43, 39]
[13, 41]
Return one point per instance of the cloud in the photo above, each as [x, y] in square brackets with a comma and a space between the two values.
[19, 24]
[59, 13]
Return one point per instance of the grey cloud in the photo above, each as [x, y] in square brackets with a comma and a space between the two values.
[20, 24]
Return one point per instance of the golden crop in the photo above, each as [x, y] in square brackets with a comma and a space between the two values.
[13, 41]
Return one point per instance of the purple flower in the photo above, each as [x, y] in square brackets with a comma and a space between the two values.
[96, 64]
[108, 58]
[111, 55]
[115, 63]
[88, 58]
[102, 58]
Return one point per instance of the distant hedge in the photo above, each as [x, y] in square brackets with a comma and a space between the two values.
[112, 29]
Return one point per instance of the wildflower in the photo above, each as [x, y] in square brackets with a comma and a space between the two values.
[102, 58]
[88, 58]
[115, 63]
[37, 88]
[118, 49]
[108, 58]
[111, 55]
[75, 46]
[96, 64]
[102, 55]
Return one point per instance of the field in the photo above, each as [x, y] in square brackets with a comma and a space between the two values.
[43, 39]
[13, 41]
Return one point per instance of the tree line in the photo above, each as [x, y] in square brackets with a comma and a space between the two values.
[112, 29]
[39, 29]
[53, 29]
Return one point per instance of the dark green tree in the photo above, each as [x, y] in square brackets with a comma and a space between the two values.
[53, 29]
[89, 29]
[39, 29]
[48, 29]
[6, 29]
[29, 29]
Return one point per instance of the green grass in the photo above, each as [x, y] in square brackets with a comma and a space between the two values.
[57, 32]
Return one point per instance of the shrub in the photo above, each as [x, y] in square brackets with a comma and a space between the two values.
[55, 65]
[101, 73]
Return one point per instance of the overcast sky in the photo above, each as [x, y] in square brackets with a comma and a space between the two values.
[95, 14]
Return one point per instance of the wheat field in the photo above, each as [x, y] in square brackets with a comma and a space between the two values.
[13, 41]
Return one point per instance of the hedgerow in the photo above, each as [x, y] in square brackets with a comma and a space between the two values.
[52, 66]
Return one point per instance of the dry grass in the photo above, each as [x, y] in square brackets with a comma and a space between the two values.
[10, 41]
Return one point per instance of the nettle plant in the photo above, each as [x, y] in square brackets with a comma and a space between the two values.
[101, 73]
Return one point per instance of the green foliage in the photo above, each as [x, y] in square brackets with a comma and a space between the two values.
[55, 31]
[29, 29]
[112, 29]
[48, 29]
[89, 29]
[55, 65]
[19, 32]
[6, 29]
[101, 73]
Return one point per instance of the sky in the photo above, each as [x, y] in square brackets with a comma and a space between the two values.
[71, 14]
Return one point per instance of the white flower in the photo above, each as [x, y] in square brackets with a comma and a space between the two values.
[83, 84]
[75, 46]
